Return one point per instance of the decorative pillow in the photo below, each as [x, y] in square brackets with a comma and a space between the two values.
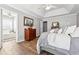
[56, 30]
[75, 33]
[70, 29]
[60, 31]
[52, 30]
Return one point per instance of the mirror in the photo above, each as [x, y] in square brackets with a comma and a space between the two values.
[28, 21]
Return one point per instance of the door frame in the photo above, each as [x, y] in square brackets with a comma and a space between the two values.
[41, 26]
[1, 30]
[0, 27]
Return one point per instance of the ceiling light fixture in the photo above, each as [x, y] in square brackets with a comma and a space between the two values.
[48, 7]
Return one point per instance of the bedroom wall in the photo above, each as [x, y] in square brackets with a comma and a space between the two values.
[64, 20]
[20, 22]
[78, 20]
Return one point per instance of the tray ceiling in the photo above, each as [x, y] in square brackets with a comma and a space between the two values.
[40, 9]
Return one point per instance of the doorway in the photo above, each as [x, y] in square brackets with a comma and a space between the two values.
[7, 14]
[45, 26]
[9, 25]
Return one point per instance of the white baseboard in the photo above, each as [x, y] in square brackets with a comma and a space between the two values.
[19, 41]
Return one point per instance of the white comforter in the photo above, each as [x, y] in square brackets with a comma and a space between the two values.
[59, 40]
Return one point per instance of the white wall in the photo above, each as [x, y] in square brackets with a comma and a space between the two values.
[37, 26]
[0, 28]
[64, 20]
[20, 22]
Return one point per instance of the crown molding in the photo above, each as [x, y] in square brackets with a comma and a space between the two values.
[27, 11]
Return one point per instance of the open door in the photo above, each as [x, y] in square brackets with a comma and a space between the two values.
[0, 27]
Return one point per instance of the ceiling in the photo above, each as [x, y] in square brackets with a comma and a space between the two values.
[39, 9]
[8, 13]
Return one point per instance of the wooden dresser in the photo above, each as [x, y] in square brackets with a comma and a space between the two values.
[30, 34]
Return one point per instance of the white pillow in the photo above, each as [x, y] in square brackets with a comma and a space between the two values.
[75, 33]
[52, 30]
[70, 29]
[60, 31]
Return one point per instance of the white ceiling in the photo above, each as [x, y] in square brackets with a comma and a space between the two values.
[8, 13]
[39, 9]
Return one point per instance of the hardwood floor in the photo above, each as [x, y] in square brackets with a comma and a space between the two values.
[23, 48]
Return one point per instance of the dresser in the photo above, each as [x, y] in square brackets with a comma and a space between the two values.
[30, 34]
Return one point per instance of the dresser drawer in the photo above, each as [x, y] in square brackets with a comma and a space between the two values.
[30, 34]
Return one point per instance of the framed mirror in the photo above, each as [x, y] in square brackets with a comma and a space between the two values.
[28, 21]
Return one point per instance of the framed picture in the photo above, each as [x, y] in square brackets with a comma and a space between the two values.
[55, 25]
[28, 21]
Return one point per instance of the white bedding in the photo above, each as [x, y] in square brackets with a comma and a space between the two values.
[59, 40]
[75, 33]
[51, 37]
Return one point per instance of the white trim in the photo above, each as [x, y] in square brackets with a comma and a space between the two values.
[17, 30]
[0, 27]
[19, 41]
[30, 12]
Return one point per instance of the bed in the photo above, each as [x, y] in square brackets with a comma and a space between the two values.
[70, 48]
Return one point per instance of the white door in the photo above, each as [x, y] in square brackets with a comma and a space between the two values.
[0, 27]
